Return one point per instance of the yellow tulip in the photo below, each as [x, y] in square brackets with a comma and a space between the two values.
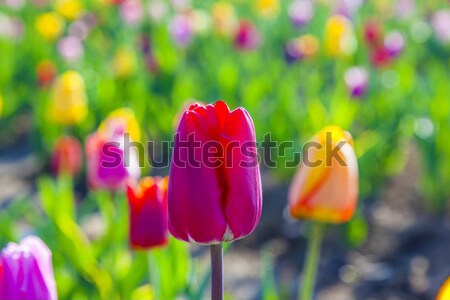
[325, 187]
[70, 9]
[444, 292]
[224, 18]
[68, 100]
[124, 63]
[268, 8]
[124, 119]
[340, 39]
[49, 25]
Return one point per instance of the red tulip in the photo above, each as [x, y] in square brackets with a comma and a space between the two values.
[219, 199]
[148, 212]
[67, 156]
[45, 72]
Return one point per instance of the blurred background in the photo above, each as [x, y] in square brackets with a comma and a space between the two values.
[377, 68]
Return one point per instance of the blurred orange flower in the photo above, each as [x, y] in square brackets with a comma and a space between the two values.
[68, 103]
[50, 25]
[325, 187]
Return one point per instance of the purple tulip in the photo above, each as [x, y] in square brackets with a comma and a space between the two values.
[394, 43]
[26, 271]
[441, 24]
[217, 199]
[181, 30]
[356, 79]
[301, 12]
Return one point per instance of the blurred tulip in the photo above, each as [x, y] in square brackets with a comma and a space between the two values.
[181, 30]
[347, 7]
[11, 27]
[68, 103]
[200, 21]
[444, 291]
[302, 47]
[107, 166]
[340, 38]
[325, 188]
[394, 43]
[148, 213]
[373, 34]
[405, 8]
[45, 73]
[132, 12]
[82, 27]
[380, 57]
[124, 63]
[70, 48]
[1, 105]
[301, 12]
[224, 18]
[157, 10]
[14, 4]
[247, 36]
[181, 5]
[50, 25]
[268, 8]
[356, 79]
[220, 202]
[120, 121]
[67, 156]
[69, 9]
[441, 24]
[26, 271]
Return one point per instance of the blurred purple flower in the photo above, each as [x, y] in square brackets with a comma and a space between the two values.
[292, 52]
[356, 79]
[405, 8]
[441, 25]
[347, 7]
[131, 12]
[157, 10]
[247, 36]
[81, 27]
[301, 12]
[181, 30]
[70, 48]
[394, 43]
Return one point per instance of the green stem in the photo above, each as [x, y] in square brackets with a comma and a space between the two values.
[153, 273]
[216, 272]
[312, 260]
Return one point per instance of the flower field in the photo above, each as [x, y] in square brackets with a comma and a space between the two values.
[260, 149]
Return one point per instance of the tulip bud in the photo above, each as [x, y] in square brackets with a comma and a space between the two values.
[340, 37]
[444, 291]
[45, 73]
[26, 271]
[148, 213]
[356, 80]
[68, 100]
[49, 25]
[215, 199]
[247, 36]
[67, 156]
[325, 187]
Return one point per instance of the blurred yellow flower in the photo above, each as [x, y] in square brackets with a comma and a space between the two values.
[124, 63]
[70, 9]
[143, 292]
[121, 119]
[68, 103]
[444, 292]
[268, 8]
[340, 39]
[49, 25]
[1, 105]
[308, 45]
[224, 18]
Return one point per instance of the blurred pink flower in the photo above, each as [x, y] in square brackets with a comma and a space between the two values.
[394, 43]
[81, 27]
[347, 7]
[14, 4]
[356, 79]
[441, 25]
[181, 30]
[247, 36]
[70, 48]
[157, 10]
[405, 8]
[131, 12]
[11, 27]
[301, 12]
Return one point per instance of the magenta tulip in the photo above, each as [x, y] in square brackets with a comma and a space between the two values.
[214, 192]
[26, 271]
[148, 213]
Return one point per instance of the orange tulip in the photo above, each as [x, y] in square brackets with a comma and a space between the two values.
[444, 292]
[325, 188]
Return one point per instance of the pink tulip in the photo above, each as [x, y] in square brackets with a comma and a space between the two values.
[247, 36]
[26, 271]
[218, 199]
[148, 213]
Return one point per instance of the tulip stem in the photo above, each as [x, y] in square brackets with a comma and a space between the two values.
[312, 259]
[153, 273]
[216, 272]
